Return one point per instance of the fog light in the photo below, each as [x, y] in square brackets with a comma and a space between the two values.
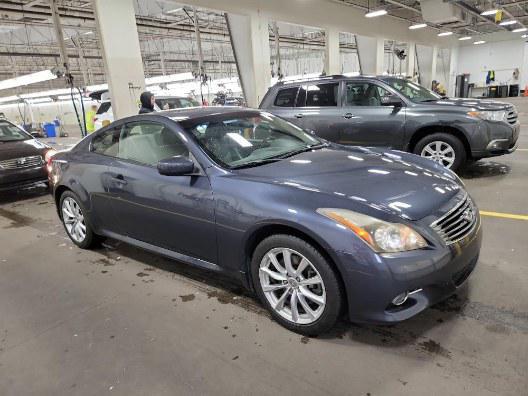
[400, 298]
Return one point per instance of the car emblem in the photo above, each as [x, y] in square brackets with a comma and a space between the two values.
[21, 161]
[468, 215]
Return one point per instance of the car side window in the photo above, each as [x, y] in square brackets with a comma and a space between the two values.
[149, 142]
[286, 97]
[364, 94]
[318, 95]
[106, 143]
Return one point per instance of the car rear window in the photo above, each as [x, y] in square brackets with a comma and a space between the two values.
[286, 97]
[104, 107]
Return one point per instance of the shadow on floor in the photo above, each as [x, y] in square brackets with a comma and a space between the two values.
[482, 169]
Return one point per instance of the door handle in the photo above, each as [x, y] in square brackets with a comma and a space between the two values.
[348, 116]
[119, 179]
[299, 115]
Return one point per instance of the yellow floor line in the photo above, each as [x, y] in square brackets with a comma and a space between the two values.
[504, 215]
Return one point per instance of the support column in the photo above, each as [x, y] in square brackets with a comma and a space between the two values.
[434, 59]
[122, 56]
[453, 71]
[411, 60]
[250, 42]
[371, 52]
[332, 57]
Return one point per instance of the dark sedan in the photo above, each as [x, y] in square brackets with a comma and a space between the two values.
[22, 158]
[312, 227]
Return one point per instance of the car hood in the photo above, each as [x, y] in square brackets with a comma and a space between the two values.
[23, 148]
[399, 183]
[479, 104]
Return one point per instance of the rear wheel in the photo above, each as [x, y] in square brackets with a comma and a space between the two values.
[442, 148]
[297, 284]
[74, 221]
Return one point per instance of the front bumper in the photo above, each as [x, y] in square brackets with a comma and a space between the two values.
[502, 140]
[430, 275]
[14, 179]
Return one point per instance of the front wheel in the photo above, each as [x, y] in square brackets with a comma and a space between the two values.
[442, 148]
[297, 284]
[74, 221]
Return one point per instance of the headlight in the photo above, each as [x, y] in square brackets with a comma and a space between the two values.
[381, 236]
[489, 115]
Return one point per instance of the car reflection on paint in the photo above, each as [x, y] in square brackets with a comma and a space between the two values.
[313, 228]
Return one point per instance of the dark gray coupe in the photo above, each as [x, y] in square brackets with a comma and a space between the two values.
[314, 228]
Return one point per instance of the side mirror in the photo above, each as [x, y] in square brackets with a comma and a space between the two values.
[391, 100]
[175, 166]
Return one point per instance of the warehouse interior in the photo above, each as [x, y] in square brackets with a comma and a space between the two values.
[119, 319]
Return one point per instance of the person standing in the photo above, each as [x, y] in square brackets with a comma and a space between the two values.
[90, 119]
[147, 102]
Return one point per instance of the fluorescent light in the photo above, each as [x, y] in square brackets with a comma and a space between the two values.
[53, 92]
[174, 11]
[465, 38]
[376, 13]
[9, 99]
[510, 22]
[27, 79]
[479, 42]
[445, 34]
[418, 26]
[88, 32]
[489, 12]
[523, 29]
[40, 100]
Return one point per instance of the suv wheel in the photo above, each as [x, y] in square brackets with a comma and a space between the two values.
[442, 148]
[297, 285]
[74, 221]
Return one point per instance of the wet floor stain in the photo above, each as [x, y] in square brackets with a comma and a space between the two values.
[305, 340]
[188, 297]
[434, 348]
[142, 274]
[17, 220]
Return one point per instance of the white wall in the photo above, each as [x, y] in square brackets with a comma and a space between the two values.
[501, 56]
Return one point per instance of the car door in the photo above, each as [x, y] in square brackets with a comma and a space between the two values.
[318, 109]
[365, 121]
[172, 212]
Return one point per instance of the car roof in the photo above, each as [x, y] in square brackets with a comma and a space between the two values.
[335, 77]
[205, 111]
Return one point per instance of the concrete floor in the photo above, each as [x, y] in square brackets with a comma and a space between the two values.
[122, 321]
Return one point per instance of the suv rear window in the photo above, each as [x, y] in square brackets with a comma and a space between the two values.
[318, 95]
[286, 97]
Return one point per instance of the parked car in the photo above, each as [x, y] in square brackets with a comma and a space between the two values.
[105, 115]
[22, 158]
[398, 114]
[313, 227]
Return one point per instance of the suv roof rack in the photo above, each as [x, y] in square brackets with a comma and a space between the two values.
[317, 78]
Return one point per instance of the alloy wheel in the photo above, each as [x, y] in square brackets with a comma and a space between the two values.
[440, 152]
[73, 220]
[292, 285]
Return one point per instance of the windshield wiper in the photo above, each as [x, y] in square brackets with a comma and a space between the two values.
[256, 163]
[304, 150]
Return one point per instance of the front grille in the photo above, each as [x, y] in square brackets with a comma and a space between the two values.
[22, 162]
[458, 222]
[512, 116]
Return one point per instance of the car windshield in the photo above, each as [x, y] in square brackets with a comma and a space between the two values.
[413, 91]
[11, 133]
[249, 138]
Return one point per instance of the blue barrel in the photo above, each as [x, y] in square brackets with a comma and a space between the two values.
[49, 130]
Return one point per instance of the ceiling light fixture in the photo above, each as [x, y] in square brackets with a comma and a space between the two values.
[489, 12]
[524, 36]
[174, 11]
[506, 23]
[376, 13]
[523, 29]
[465, 38]
[479, 42]
[418, 26]
[27, 79]
[442, 34]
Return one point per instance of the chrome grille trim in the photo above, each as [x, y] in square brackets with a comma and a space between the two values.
[455, 224]
[512, 116]
[22, 162]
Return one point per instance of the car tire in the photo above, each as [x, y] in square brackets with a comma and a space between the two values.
[317, 288]
[442, 148]
[72, 213]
